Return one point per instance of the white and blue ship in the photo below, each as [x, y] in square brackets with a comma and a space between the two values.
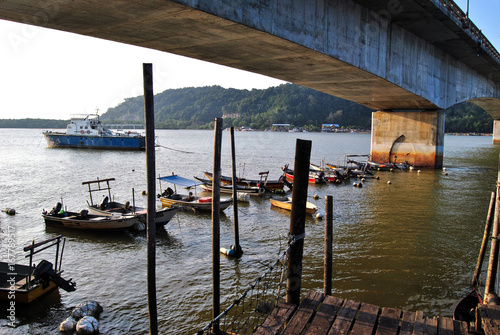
[87, 132]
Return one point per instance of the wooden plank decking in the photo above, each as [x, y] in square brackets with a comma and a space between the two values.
[490, 318]
[319, 314]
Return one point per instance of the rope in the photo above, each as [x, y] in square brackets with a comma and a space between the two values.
[292, 239]
[260, 295]
[186, 152]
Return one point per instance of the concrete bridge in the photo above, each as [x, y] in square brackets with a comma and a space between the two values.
[407, 59]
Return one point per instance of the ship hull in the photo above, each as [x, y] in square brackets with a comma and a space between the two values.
[60, 140]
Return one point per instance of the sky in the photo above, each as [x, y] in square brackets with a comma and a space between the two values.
[51, 74]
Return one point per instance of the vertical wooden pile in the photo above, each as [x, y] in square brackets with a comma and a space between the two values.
[216, 224]
[150, 168]
[297, 220]
[492, 220]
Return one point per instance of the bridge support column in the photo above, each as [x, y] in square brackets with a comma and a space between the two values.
[413, 136]
[496, 131]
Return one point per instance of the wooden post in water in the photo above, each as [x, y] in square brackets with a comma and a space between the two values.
[150, 168]
[327, 285]
[298, 220]
[493, 263]
[486, 237]
[237, 248]
[216, 223]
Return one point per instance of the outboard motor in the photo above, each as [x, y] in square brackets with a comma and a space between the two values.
[56, 209]
[104, 203]
[285, 182]
[44, 272]
[321, 177]
[168, 192]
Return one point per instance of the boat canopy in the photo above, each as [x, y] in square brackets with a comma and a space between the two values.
[176, 180]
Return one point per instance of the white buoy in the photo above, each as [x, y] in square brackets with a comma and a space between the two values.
[228, 252]
[419, 171]
[389, 182]
[87, 325]
[87, 308]
[243, 197]
[319, 215]
[68, 326]
[9, 211]
[444, 169]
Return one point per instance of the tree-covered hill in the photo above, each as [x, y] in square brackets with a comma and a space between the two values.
[468, 118]
[33, 123]
[197, 107]
[259, 109]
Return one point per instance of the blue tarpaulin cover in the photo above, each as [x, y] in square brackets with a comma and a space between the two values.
[175, 179]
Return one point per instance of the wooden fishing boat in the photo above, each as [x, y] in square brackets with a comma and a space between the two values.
[380, 166]
[27, 283]
[387, 166]
[271, 185]
[286, 203]
[170, 197]
[352, 167]
[352, 172]
[464, 310]
[109, 208]
[331, 175]
[83, 220]
[315, 177]
[228, 189]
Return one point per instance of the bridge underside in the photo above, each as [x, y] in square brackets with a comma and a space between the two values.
[182, 30]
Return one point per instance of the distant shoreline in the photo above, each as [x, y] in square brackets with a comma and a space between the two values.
[470, 134]
[354, 132]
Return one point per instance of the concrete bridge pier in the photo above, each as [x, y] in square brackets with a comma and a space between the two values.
[496, 131]
[413, 136]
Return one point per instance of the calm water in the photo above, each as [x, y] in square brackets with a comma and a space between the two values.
[412, 244]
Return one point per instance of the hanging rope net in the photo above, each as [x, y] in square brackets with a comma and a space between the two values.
[251, 309]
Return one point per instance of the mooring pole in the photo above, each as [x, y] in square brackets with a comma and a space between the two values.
[150, 168]
[493, 263]
[237, 248]
[216, 224]
[486, 237]
[298, 220]
[327, 285]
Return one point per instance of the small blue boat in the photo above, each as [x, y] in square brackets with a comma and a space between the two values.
[87, 132]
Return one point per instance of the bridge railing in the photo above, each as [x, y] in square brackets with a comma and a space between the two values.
[476, 33]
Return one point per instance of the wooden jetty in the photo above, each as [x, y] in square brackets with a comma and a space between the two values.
[319, 314]
[488, 319]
